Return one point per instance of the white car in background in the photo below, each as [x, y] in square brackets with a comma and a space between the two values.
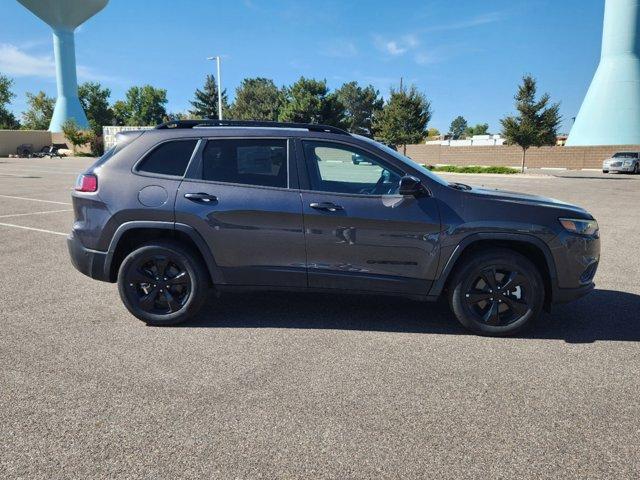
[622, 162]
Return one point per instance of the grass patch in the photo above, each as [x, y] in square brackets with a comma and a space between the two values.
[473, 169]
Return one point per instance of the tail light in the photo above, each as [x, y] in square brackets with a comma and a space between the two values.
[86, 183]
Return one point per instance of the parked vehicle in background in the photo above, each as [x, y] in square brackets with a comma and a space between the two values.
[622, 162]
[192, 206]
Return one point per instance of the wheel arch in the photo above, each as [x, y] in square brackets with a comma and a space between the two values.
[529, 246]
[130, 235]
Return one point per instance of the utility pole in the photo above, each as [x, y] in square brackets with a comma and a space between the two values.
[217, 59]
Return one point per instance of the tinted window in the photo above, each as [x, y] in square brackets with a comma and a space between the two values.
[247, 161]
[169, 158]
[342, 169]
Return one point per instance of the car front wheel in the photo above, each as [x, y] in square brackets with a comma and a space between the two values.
[496, 292]
[162, 283]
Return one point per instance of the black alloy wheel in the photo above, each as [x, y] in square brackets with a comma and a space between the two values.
[163, 283]
[498, 297]
[159, 284]
[496, 292]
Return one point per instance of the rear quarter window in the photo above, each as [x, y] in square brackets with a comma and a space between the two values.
[168, 158]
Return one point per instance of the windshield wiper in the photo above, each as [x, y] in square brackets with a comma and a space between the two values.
[459, 186]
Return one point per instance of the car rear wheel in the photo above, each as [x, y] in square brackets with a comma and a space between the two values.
[162, 283]
[496, 292]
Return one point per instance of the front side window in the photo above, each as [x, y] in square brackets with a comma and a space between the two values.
[169, 158]
[339, 168]
[260, 162]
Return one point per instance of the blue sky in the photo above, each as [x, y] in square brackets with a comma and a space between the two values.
[467, 56]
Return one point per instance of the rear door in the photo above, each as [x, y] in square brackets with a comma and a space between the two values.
[360, 234]
[240, 198]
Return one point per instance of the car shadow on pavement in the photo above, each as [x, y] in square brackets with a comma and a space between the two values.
[602, 315]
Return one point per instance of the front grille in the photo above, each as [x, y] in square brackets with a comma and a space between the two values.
[616, 164]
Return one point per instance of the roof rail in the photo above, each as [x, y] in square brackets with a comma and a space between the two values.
[312, 127]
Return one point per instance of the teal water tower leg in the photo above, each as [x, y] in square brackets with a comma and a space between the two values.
[610, 113]
[67, 104]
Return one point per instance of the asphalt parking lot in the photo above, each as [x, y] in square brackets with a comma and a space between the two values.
[305, 386]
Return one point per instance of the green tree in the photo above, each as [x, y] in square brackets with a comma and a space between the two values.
[361, 105]
[479, 129]
[205, 102]
[7, 119]
[95, 102]
[76, 136]
[403, 118]
[257, 99]
[458, 127]
[142, 106]
[38, 116]
[537, 121]
[309, 101]
[433, 133]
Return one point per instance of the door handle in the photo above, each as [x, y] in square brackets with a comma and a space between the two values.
[201, 197]
[326, 206]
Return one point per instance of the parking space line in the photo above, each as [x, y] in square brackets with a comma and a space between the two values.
[31, 228]
[35, 213]
[35, 200]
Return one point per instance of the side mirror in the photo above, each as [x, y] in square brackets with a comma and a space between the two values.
[411, 186]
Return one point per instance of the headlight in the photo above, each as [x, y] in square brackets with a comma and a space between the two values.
[628, 163]
[579, 226]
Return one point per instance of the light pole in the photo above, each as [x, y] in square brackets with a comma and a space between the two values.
[217, 59]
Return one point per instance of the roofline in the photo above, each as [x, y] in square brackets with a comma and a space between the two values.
[312, 127]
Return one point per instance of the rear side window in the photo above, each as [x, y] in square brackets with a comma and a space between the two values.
[169, 158]
[261, 162]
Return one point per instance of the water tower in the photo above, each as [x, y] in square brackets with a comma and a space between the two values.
[64, 16]
[610, 113]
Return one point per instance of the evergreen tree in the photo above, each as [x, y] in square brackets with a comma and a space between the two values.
[309, 101]
[361, 105]
[257, 99]
[538, 120]
[458, 127]
[403, 118]
[205, 102]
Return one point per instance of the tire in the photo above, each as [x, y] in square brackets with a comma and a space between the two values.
[142, 287]
[636, 169]
[482, 306]
[605, 171]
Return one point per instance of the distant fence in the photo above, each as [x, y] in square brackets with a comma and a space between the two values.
[573, 158]
[109, 134]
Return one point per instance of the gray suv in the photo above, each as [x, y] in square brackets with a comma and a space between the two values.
[190, 208]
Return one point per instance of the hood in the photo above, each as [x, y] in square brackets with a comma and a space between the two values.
[525, 198]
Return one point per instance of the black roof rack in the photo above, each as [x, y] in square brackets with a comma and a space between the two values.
[312, 127]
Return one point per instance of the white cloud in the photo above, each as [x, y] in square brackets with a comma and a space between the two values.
[339, 48]
[484, 19]
[17, 62]
[398, 46]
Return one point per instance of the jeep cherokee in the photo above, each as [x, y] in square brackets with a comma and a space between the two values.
[190, 207]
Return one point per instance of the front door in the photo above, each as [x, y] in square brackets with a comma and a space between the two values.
[239, 199]
[360, 234]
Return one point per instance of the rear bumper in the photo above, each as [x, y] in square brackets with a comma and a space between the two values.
[87, 261]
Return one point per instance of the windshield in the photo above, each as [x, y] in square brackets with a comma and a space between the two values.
[626, 155]
[405, 160]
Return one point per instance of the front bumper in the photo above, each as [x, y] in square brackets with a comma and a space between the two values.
[87, 261]
[566, 295]
[621, 169]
